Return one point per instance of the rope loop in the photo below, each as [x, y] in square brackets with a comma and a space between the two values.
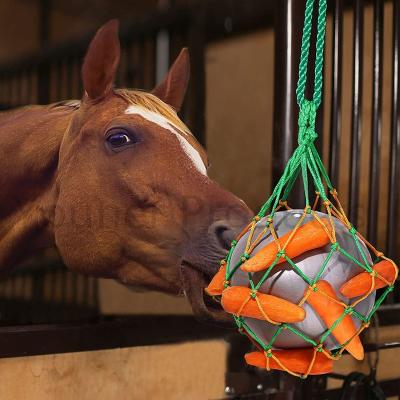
[305, 51]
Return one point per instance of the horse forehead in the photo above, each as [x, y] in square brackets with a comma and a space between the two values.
[165, 123]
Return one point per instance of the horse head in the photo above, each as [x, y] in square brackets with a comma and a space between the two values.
[134, 202]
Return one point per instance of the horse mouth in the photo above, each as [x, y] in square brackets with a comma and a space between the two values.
[205, 308]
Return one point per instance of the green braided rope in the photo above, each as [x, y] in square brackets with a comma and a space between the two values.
[319, 59]
[305, 49]
[307, 163]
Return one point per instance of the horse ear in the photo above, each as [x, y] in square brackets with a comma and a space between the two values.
[101, 61]
[172, 89]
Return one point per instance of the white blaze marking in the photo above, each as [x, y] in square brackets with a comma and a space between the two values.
[160, 120]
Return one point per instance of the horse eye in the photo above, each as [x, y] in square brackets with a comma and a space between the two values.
[119, 139]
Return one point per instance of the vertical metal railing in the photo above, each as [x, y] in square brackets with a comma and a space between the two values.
[376, 124]
[394, 176]
[288, 28]
[336, 96]
[286, 60]
[358, 41]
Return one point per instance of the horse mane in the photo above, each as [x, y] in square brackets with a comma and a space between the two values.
[74, 104]
[136, 98]
[152, 103]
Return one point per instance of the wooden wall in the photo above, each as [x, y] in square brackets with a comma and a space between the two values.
[173, 372]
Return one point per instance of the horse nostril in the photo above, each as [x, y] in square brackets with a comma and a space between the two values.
[224, 235]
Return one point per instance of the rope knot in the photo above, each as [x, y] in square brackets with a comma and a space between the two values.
[268, 353]
[335, 246]
[281, 253]
[348, 310]
[253, 294]
[307, 115]
[319, 348]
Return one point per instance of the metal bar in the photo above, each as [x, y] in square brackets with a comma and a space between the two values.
[369, 347]
[128, 78]
[18, 87]
[59, 81]
[336, 97]
[29, 85]
[141, 50]
[288, 27]
[44, 21]
[69, 76]
[392, 221]
[376, 122]
[358, 40]
[85, 291]
[195, 105]
[43, 83]
[226, 18]
[9, 89]
[95, 293]
[74, 295]
[112, 332]
[390, 388]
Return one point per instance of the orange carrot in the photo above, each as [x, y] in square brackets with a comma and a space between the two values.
[216, 286]
[309, 236]
[277, 309]
[297, 360]
[329, 311]
[360, 284]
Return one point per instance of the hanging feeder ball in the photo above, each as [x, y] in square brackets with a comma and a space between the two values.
[301, 284]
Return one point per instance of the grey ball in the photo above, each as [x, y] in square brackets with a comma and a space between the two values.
[287, 284]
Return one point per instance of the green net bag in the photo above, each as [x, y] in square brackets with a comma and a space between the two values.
[301, 284]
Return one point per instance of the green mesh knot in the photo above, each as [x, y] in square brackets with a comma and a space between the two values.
[349, 310]
[281, 253]
[335, 246]
[245, 257]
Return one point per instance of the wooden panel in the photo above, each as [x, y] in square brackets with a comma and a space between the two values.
[186, 371]
[239, 111]
[115, 298]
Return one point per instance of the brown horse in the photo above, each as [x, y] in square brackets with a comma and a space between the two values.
[116, 182]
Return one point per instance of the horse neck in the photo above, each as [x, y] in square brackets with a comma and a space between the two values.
[30, 139]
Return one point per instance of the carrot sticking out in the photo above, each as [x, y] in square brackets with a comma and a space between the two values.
[360, 284]
[297, 360]
[216, 286]
[309, 236]
[324, 304]
[277, 309]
